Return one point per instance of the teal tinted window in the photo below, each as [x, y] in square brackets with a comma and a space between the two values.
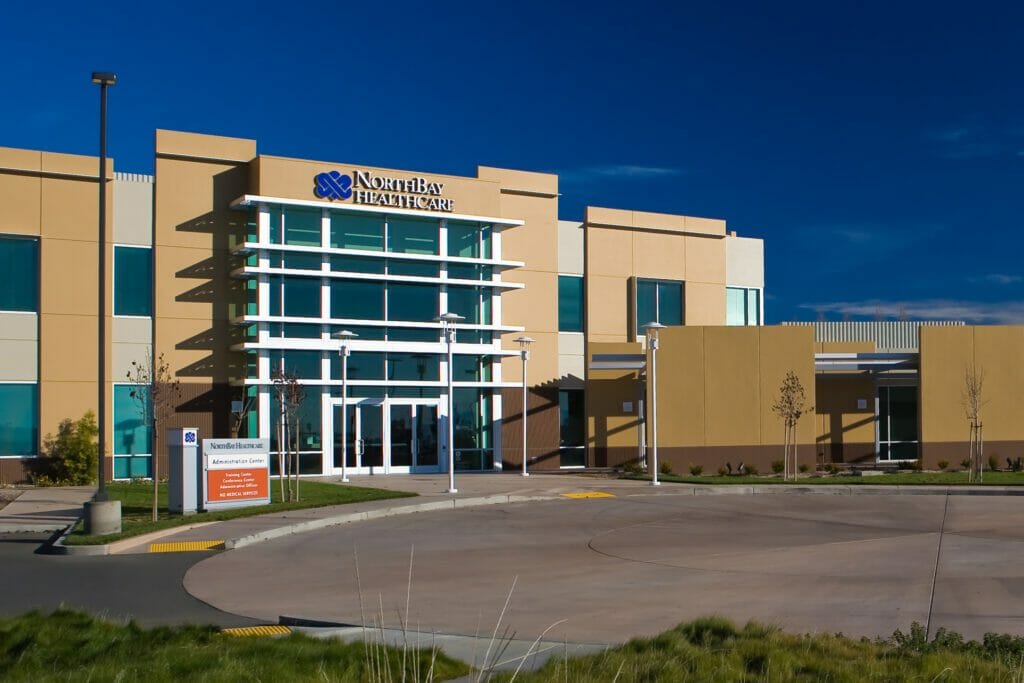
[412, 303]
[302, 227]
[133, 281]
[463, 239]
[571, 418]
[132, 436]
[19, 419]
[470, 304]
[412, 334]
[742, 306]
[361, 365]
[252, 225]
[302, 364]
[413, 367]
[300, 261]
[308, 417]
[302, 297]
[294, 330]
[410, 236]
[570, 303]
[471, 368]
[360, 299]
[19, 263]
[414, 268]
[354, 264]
[357, 232]
[485, 240]
[658, 301]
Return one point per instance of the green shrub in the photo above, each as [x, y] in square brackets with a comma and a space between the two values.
[722, 471]
[696, 470]
[632, 467]
[803, 467]
[778, 466]
[751, 470]
[943, 465]
[832, 468]
[916, 465]
[70, 457]
[993, 462]
[965, 463]
[1015, 465]
[665, 467]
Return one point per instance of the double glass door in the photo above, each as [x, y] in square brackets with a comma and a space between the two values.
[383, 437]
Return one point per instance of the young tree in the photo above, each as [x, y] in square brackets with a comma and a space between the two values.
[238, 416]
[157, 394]
[290, 394]
[789, 406]
[973, 400]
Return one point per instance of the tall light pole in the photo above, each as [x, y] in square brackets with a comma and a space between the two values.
[103, 79]
[448, 321]
[344, 351]
[524, 353]
[102, 515]
[651, 329]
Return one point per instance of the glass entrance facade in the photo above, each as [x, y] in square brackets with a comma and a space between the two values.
[312, 272]
[897, 423]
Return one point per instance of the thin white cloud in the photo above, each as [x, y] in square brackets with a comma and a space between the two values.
[996, 279]
[617, 171]
[973, 142]
[978, 312]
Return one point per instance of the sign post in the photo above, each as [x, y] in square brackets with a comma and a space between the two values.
[183, 470]
[236, 473]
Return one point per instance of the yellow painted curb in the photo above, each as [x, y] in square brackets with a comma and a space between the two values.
[257, 631]
[185, 546]
[588, 494]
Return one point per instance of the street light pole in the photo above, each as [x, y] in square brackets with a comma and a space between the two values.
[524, 352]
[652, 343]
[104, 80]
[344, 352]
[448, 321]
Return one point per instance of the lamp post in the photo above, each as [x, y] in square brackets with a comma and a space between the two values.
[651, 329]
[524, 353]
[344, 351]
[104, 80]
[448, 321]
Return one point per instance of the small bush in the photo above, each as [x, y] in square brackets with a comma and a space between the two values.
[832, 468]
[965, 463]
[943, 465]
[751, 470]
[993, 462]
[665, 467]
[722, 471]
[1015, 465]
[803, 467]
[69, 458]
[632, 467]
[696, 470]
[778, 466]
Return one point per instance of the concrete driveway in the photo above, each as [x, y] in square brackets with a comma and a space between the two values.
[637, 564]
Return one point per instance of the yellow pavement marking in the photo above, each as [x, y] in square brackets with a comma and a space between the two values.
[185, 546]
[257, 631]
[588, 494]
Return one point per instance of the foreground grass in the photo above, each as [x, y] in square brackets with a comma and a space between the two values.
[137, 501]
[70, 646]
[894, 479]
[715, 650]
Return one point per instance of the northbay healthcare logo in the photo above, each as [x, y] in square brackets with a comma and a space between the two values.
[377, 190]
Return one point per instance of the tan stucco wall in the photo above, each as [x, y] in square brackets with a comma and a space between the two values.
[613, 434]
[620, 245]
[947, 353]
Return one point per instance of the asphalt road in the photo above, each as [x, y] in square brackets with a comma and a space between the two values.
[146, 588]
[636, 565]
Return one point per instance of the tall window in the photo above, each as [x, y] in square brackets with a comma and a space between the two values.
[897, 423]
[132, 436]
[742, 306]
[570, 303]
[133, 281]
[19, 263]
[572, 433]
[658, 301]
[19, 419]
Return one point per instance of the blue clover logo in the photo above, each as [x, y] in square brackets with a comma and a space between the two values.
[190, 437]
[333, 185]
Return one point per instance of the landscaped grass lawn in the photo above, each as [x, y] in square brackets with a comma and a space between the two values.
[137, 502]
[897, 478]
[70, 646]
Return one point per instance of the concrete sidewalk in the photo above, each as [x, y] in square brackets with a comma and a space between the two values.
[44, 509]
[473, 490]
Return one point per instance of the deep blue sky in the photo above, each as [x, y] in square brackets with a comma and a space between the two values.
[877, 147]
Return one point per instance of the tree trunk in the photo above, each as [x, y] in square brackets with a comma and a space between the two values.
[280, 456]
[297, 449]
[156, 477]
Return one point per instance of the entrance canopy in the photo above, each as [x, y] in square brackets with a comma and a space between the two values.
[874, 362]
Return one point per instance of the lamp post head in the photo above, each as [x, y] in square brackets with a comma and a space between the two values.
[449, 318]
[344, 337]
[523, 341]
[104, 78]
[652, 328]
